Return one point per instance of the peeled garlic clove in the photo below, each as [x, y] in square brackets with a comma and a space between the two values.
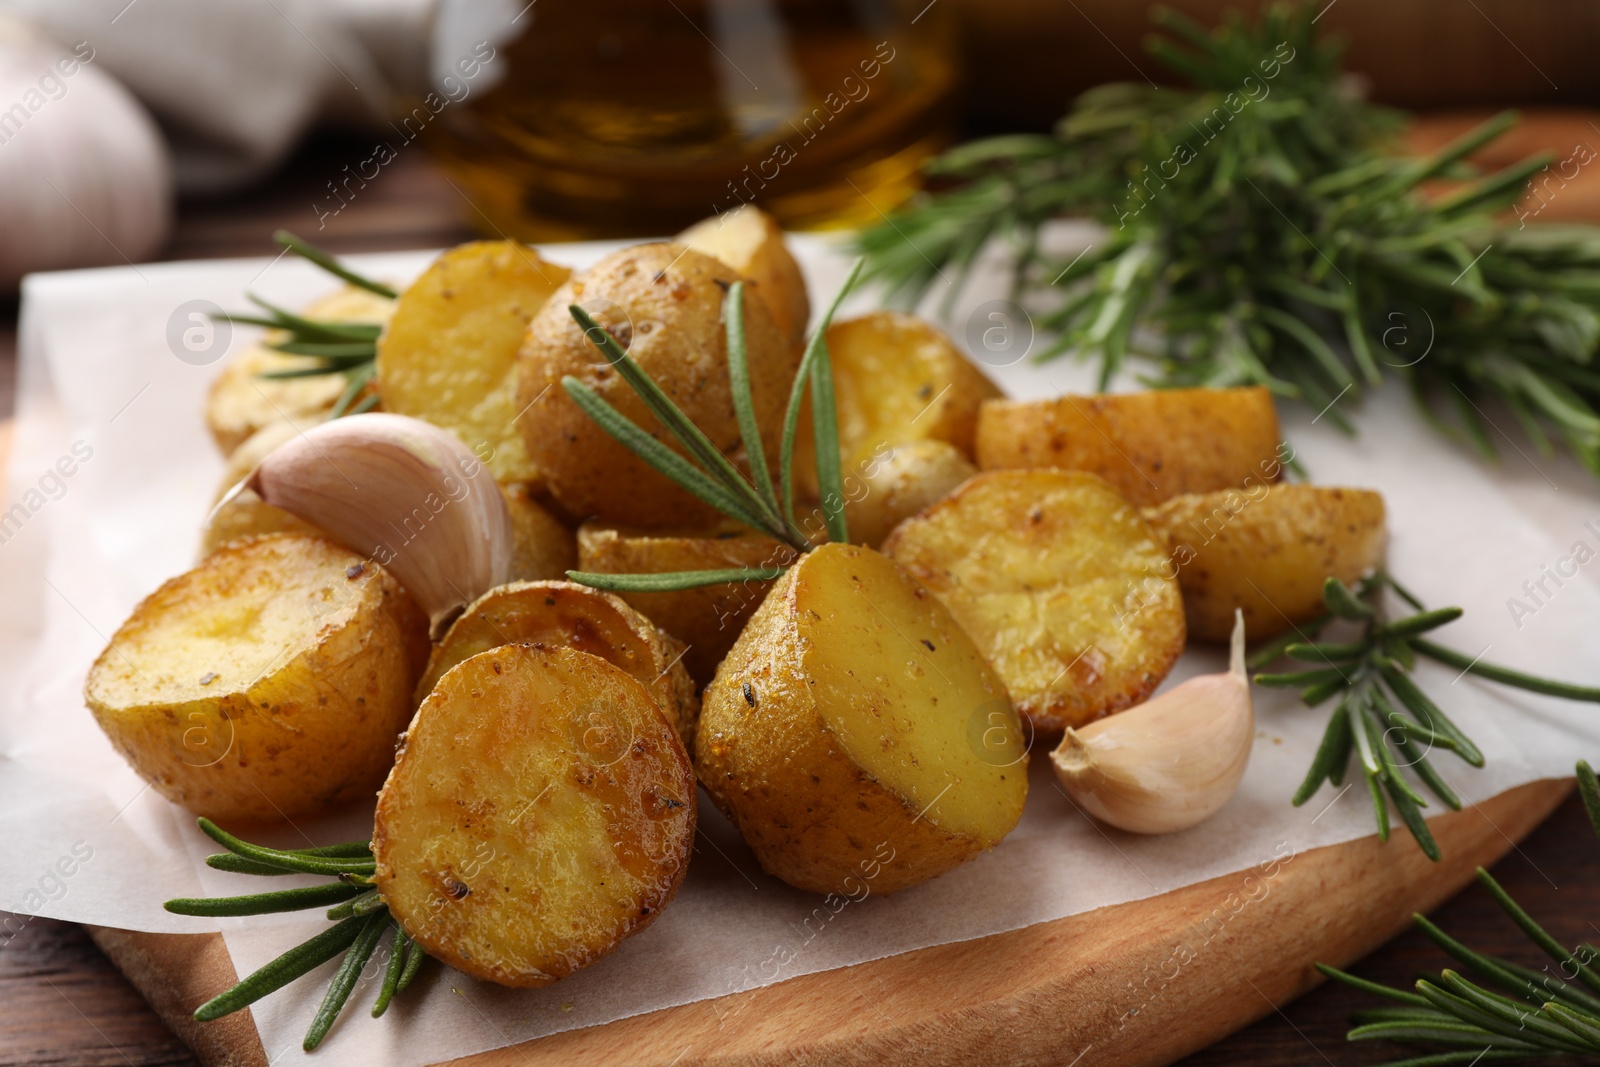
[405, 493]
[1170, 762]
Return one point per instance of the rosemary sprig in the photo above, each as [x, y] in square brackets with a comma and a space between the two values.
[1382, 716]
[347, 348]
[357, 909]
[1498, 1010]
[1255, 217]
[706, 473]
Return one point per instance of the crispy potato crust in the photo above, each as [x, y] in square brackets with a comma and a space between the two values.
[856, 736]
[540, 812]
[708, 619]
[449, 353]
[1150, 446]
[1266, 551]
[664, 303]
[751, 242]
[564, 614]
[241, 401]
[268, 683]
[1062, 584]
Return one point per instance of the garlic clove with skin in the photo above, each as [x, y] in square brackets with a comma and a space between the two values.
[1170, 762]
[403, 492]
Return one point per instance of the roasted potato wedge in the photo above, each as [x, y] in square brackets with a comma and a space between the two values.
[663, 302]
[898, 484]
[1266, 551]
[564, 614]
[241, 401]
[268, 683]
[449, 353]
[1060, 582]
[751, 242]
[855, 734]
[542, 548]
[1150, 446]
[246, 514]
[540, 812]
[707, 619]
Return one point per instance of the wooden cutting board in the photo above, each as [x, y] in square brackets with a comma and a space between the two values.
[1107, 981]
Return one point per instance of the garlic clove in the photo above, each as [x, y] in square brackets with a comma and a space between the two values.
[405, 493]
[1169, 763]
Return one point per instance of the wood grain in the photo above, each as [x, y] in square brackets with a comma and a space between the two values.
[1114, 980]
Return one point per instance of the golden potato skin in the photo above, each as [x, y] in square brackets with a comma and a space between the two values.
[1059, 580]
[241, 402]
[567, 615]
[1266, 551]
[666, 302]
[896, 486]
[540, 812]
[707, 619]
[1150, 446]
[809, 735]
[542, 548]
[268, 683]
[751, 242]
[449, 352]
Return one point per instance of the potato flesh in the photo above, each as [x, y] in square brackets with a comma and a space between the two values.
[913, 476]
[449, 353]
[898, 685]
[1062, 584]
[542, 549]
[267, 683]
[1149, 445]
[567, 615]
[540, 811]
[1266, 551]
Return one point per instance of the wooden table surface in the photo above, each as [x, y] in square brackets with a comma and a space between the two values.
[61, 1001]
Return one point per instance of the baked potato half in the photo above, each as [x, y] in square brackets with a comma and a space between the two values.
[268, 683]
[449, 352]
[1150, 445]
[751, 242]
[706, 619]
[567, 615]
[663, 303]
[856, 736]
[542, 548]
[898, 484]
[1266, 551]
[540, 812]
[246, 514]
[241, 401]
[1060, 582]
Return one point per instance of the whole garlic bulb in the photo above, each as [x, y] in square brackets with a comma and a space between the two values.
[84, 174]
[1170, 762]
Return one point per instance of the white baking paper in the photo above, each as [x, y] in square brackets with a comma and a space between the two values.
[84, 840]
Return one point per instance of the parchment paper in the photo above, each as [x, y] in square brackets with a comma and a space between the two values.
[86, 841]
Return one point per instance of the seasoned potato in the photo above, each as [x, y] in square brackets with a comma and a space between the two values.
[449, 353]
[242, 402]
[270, 682]
[856, 736]
[707, 619]
[751, 242]
[564, 614]
[1266, 551]
[907, 479]
[540, 812]
[1059, 581]
[663, 302]
[896, 379]
[542, 549]
[246, 514]
[1150, 446]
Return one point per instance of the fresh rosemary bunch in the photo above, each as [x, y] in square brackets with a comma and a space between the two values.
[346, 348]
[1503, 1012]
[1382, 715]
[1256, 215]
[361, 919]
[710, 476]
